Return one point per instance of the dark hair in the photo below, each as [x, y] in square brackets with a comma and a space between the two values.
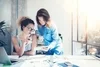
[25, 22]
[42, 13]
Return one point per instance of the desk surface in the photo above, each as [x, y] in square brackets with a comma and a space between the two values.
[36, 61]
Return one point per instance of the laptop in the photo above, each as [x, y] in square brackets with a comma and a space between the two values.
[4, 59]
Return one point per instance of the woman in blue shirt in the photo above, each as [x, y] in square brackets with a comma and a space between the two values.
[48, 30]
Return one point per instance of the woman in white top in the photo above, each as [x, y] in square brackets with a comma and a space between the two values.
[25, 42]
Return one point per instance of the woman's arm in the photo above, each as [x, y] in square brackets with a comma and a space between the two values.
[34, 44]
[55, 37]
[19, 50]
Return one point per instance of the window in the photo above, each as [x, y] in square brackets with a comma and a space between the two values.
[85, 27]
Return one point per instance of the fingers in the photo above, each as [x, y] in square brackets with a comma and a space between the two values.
[45, 48]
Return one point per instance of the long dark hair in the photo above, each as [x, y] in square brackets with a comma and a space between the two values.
[42, 13]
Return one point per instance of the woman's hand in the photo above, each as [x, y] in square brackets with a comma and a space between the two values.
[25, 39]
[45, 48]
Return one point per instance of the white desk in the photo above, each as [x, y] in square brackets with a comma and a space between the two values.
[84, 61]
[32, 61]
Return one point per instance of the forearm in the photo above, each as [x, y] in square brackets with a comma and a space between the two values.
[29, 52]
[21, 50]
[52, 45]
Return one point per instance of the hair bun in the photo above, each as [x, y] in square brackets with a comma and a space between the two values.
[21, 19]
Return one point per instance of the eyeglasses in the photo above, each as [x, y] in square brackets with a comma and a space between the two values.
[31, 29]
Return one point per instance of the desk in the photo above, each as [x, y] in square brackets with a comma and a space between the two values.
[32, 61]
[84, 61]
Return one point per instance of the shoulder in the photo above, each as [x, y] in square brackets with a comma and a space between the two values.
[53, 27]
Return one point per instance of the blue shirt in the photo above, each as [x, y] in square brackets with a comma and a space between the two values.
[50, 35]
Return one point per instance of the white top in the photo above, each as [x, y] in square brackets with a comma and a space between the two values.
[28, 45]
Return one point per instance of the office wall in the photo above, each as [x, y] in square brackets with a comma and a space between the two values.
[5, 15]
[5, 11]
[60, 11]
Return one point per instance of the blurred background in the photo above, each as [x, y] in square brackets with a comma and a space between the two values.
[77, 21]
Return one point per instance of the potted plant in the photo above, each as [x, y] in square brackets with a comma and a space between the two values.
[2, 24]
